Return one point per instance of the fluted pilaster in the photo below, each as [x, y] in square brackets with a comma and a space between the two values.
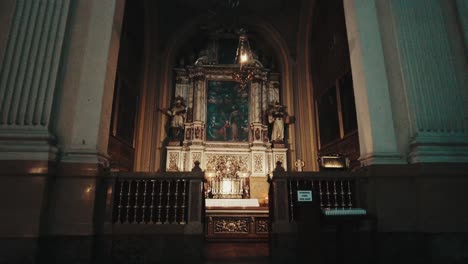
[434, 90]
[462, 10]
[28, 74]
[431, 84]
[29, 70]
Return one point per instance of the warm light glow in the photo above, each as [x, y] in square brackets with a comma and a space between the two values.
[210, 174]
[88, 189]
[38, 170]
[244, 58]
[336, 162]
[243, 174]
[226, 187]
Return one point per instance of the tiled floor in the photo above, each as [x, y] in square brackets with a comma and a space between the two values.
[236, 253]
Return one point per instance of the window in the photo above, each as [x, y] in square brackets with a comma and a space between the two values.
[337, 111]
[348, 107]
[328, 116]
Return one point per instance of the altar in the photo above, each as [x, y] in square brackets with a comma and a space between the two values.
[234, 131]
[226, 130]
[236, 219]
[229, 203]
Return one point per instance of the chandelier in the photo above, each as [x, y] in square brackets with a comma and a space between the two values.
[246, 61]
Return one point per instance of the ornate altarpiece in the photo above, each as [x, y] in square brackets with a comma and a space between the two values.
[235, 167]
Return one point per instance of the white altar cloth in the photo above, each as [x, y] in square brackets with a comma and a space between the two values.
[231, 203]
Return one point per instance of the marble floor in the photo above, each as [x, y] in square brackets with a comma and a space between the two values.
[236, 253]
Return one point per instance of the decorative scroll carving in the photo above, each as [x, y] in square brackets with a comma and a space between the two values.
[232, 225]
[217, 162]
[257, 134]
[188, 133]
[227, 176]
[196, 156]
[279, 158]
[228, 146]
[197, 73]
[247, 225]
[173, 161]
[261, 226]
[258, 162]
[185, 158]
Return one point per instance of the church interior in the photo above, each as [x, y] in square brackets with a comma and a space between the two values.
[233, 131]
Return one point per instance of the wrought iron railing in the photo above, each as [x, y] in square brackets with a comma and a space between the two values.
[152, 198]
[332, 190]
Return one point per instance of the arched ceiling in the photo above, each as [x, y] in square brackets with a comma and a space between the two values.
[283, 15]
[225, 6]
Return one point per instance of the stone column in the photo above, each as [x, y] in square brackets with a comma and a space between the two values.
[433, 83]
[199, 99]
[84, 108]
[255, 104]
[255, 114]
[371, 89]
[82, 114]
[202, 101]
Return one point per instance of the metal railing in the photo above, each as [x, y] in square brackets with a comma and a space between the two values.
[333, 190]
[157, 198]
[154, 201]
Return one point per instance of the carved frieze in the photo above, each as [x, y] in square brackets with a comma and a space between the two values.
[258, 162]
[188, 133]
[197, 73]
[232, 225]
[261, 226]
[228, 146]
[280, 158]
[185, 156]
[173, 161]
[196, 156]
[238, 161]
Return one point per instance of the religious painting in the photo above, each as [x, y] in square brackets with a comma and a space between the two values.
[227, 111]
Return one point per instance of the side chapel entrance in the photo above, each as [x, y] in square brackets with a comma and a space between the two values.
[226, 127]
[231, 129]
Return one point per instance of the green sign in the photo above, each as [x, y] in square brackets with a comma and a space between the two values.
[304, 196]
